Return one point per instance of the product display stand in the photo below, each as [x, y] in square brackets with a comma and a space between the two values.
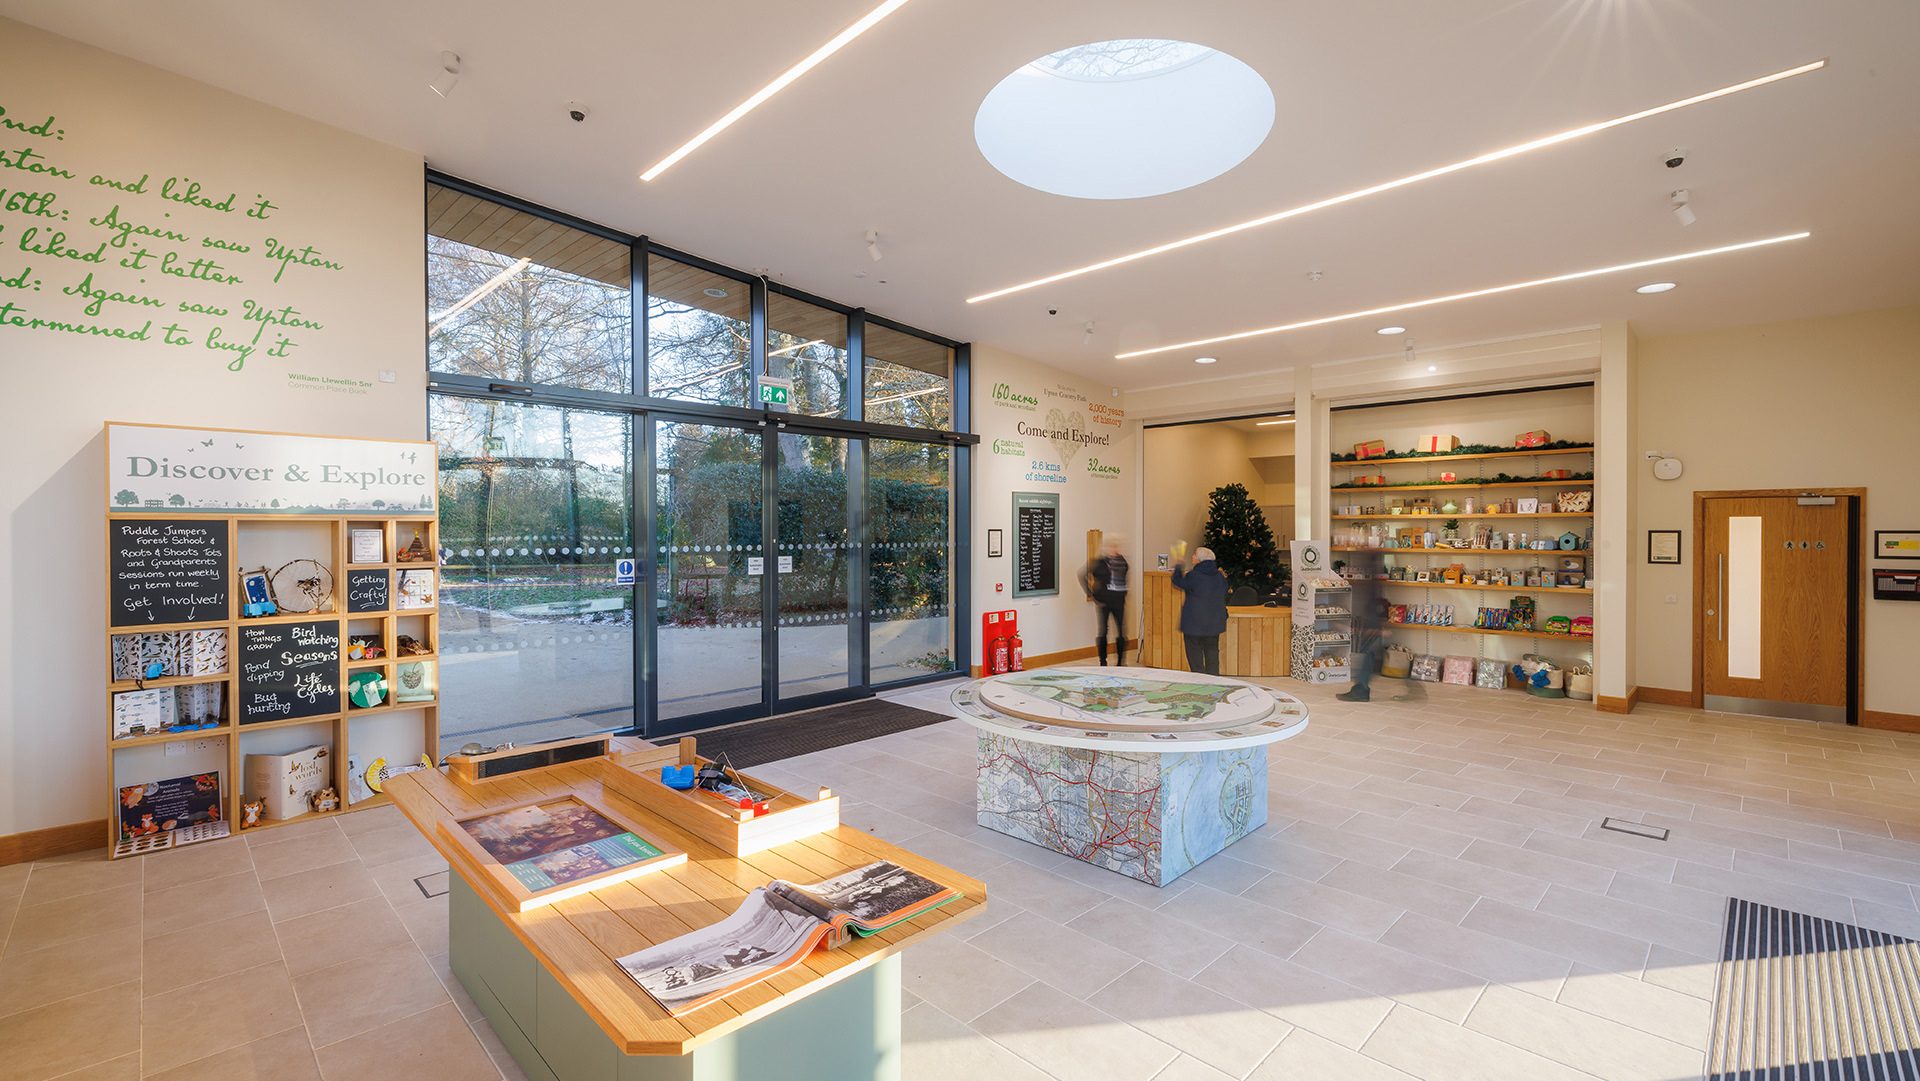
[1400, 516]
[155, 544]
[1322, 618]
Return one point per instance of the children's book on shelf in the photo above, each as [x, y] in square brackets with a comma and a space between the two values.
[775, 928]
[175, 811]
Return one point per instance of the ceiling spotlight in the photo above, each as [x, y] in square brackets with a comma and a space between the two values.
[1682, 213]
[873, 244]
[1657, 287]
[1433, 367]
[442, 84]
[1205, 360]
[1391, 330]
[715, 292]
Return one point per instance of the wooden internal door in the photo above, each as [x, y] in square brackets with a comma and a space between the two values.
[1774, 604]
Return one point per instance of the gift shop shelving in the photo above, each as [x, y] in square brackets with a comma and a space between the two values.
[1490, 550]
[272, 627]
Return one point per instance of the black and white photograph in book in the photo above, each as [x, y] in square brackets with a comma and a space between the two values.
[873, 892]
[762, 936]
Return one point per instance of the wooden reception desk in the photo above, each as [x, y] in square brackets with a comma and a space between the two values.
[1256, 642]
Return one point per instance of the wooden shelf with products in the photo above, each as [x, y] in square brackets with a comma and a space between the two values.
[1484, 456]
[1578, 591]
[1439, 551]
[1444, 515]
[1469, 485]
[182, 570]
[1488, 631]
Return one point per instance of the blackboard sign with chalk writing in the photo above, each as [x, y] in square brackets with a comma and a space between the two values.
[166, 570]
[289, 670]
[1036, 544]
[367, 591]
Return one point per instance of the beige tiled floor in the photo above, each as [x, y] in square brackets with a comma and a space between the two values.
[1431, 898]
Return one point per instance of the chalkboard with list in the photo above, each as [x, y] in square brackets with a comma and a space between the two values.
[289, 670]
[1036, 544]
[367, 591]
[166, 570]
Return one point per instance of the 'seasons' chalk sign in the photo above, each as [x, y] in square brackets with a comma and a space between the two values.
[159, 470]
[154, 254]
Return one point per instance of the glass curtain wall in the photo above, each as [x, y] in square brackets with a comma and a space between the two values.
[536, 504]
[594, 398]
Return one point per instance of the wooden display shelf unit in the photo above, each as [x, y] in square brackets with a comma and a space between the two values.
[1465, 457]
[1470, 486]
[261, 528]
[734, 830]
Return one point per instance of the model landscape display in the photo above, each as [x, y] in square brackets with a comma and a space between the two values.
[1142, 771]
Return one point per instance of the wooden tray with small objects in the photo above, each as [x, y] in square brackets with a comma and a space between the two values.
[737, 831]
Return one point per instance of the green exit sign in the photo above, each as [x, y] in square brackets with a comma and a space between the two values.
[775, 392]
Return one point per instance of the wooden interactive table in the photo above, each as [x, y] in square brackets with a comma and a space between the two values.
[547, 977]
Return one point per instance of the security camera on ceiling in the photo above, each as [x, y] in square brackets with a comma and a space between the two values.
[577, 112]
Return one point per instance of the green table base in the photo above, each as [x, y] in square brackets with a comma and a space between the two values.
[847, 1032]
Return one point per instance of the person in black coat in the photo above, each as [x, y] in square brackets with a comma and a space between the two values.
[1203, 615]
[1105, 581]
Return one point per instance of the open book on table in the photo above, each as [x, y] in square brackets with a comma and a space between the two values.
[775, 928]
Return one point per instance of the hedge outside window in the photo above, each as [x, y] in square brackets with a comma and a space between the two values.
[910, 573]
[525, 300]
[909, 379]
[699, 333]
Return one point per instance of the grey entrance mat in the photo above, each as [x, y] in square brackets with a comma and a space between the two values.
[759, 742]
[1801, 998]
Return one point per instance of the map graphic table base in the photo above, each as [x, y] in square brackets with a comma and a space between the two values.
[1149, 816]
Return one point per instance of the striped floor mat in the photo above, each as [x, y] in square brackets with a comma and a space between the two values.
[1805, 999]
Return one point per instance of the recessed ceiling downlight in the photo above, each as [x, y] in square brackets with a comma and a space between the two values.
[1205, 360]
[1124, 119]
[1657, 287]
[1391, 330]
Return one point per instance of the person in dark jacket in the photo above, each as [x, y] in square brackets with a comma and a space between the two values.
[1203, 615]
[1105, 581]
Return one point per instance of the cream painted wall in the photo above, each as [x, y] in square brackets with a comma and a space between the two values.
[1813, 403]
[1095, 481]
[1184, 465]
[358, 203]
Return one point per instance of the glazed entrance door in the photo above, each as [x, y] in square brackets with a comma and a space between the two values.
[1775, 607]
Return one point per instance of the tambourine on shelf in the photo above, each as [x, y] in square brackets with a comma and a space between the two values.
[303, 585]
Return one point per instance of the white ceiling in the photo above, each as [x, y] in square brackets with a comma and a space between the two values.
[880, 136]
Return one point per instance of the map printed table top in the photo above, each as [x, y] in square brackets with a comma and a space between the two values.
[1141, 710]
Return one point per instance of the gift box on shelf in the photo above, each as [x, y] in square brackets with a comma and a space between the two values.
[285, 782]
[1457, 670]
[1574, 502]
[1374, 480]
[1557, 474]
[1426, 668]
[1447, 477]
[1372, 448]
[1536, 438]
[1490, 673]
[1437, 444]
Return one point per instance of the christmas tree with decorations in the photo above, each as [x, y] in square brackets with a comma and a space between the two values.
[1241, 540]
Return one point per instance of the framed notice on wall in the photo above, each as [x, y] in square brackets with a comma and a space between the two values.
[1036, 544]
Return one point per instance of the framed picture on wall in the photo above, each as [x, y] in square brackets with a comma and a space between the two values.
[1896, 544]
[1663, 546]
[995, 543]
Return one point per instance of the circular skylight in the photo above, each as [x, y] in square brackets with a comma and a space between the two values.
[1124, 119]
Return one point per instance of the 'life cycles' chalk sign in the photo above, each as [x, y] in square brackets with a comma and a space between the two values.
[166, 571]
[217, 470]
[289, 670]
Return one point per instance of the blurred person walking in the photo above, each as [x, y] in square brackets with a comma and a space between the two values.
[1105, 581]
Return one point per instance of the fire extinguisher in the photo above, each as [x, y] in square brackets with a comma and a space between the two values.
[1018, 654]
[998, 662]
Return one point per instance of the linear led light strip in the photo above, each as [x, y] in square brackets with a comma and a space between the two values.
[781, 82]
[1458, 166]
[1451, 297]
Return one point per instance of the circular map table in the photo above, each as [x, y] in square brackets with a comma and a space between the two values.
[1143, 771]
